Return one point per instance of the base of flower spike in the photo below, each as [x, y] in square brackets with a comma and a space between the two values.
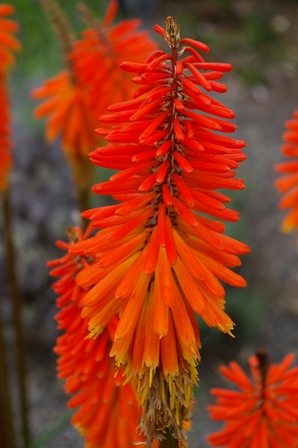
[167, 403]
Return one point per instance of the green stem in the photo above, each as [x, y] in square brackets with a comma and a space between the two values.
[169, 442]
[17, 319]
[83, 194]
[83, 176]
[7, 438]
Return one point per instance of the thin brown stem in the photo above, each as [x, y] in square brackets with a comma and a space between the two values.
[17, 318]
[83, 173]
[169, 442]
[83, 194]
[7, 438]
[63, 30]
[264, 364]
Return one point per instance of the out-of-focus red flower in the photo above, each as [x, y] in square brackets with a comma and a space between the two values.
[5, 142]
[67, 106]
[8, 44]
[160, 258]
[108, 412]
[73, 100]
[288, 184]
[98, 55]
[264, 413]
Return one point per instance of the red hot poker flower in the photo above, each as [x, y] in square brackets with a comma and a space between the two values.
[98, 54]
[160, 258]
[73, 100]
[108, 412]
[288, 184]
[8, 44]
[264, 413]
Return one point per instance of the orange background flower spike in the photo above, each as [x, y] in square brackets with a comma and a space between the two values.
[75, 97]
[288, 183]
[263, 412]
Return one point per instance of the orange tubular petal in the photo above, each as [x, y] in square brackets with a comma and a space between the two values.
[167, 197]
[153, 125]
[184, 190]
[103, 316]
[235, 373]
[126, 228]
[148, 183]
[152, 253]
[152, 340]
[129, 280]
[160, 311]
[129, 206]
[159, 30]
[178, 131]
[200, 45]
[199, 77]
[188, 258]
[162, 171]
[170, 242]
[185, 213]
[137, 364]
[132, 246]
[110, 13]
[142, 111]
[132, 309]
[161, 225]
[108, 282]
[163, 149]
[181, 320]
[189, 287]
[165, 278]
[168, 350]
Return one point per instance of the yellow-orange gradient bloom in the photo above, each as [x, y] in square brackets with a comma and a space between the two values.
[8, 44]
[288, 184]
[108, 412]
[264, 413]
[160, 258]
[74, 98]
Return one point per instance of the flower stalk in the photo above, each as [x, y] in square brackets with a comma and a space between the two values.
[17, 317]
[7, 438]
[169, 441]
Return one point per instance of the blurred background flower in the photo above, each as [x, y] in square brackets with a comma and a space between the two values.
[264, 412]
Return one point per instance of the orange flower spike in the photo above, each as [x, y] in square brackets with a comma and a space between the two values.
[101, 50]
[75, 98]
[288, 184]
[264, 412]
[108, 412]
[171, 161]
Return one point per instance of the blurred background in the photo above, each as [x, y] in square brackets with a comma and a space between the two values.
[260, 39]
